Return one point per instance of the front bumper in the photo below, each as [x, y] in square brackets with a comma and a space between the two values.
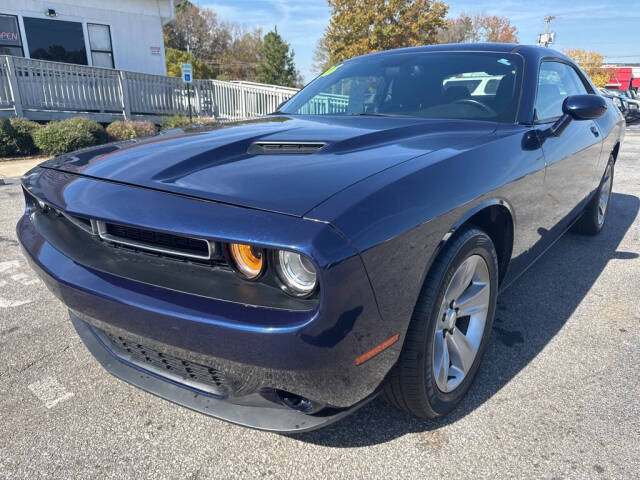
[311, 354]
[252, 411]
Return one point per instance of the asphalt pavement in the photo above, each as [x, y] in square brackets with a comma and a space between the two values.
[557, 396]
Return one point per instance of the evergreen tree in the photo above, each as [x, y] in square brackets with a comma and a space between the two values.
[276, 65]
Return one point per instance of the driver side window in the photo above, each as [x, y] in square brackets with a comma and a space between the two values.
[556, 81]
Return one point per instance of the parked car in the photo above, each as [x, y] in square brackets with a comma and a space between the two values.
[476, 84]
[618, 101]
[282, 272]
[632, 101]
[633, 105]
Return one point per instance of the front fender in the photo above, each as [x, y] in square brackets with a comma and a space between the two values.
[400, 219]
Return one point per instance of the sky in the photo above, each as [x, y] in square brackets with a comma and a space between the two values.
[608, 27]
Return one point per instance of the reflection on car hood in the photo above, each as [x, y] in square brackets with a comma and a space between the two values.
[214, 162]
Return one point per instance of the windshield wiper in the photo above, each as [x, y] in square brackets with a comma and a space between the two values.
[371, 114]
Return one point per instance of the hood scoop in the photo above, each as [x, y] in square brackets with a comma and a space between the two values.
[283, 148]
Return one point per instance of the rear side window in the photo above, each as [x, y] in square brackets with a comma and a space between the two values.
[556, 81]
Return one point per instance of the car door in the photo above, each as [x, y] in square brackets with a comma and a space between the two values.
[572, 157]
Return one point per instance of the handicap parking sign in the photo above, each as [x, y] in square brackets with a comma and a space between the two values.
[187, 73]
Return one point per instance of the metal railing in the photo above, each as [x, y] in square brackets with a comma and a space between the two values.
[44, 90]
[326, 103]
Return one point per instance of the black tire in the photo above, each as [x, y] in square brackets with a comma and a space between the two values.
[411, 385]
[591, 223]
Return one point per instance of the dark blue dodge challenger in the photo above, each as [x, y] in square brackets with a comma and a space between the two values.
[280, 273]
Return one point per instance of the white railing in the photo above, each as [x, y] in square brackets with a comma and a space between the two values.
[326, 103]
[6, 99]
[45, 90]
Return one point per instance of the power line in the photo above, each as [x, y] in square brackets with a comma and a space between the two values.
[622, 56]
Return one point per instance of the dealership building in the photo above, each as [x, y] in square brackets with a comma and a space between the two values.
[122, 34]
[624, 76]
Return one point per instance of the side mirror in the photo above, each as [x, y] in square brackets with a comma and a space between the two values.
[584, 107]
[577, 107]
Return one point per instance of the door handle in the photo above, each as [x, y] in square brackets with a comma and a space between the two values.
[595, 131]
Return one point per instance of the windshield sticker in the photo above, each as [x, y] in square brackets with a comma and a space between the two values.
[331, 70]
[504, 61]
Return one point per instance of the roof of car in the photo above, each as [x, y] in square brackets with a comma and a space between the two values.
[526, 50]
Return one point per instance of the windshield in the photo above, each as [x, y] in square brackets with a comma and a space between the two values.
[462, 85]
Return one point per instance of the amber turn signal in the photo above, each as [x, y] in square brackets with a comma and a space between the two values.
[377, 349]
[247, 260]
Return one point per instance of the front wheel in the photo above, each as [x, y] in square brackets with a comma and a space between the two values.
[449, 329]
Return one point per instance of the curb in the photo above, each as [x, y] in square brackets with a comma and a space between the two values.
[10, 181]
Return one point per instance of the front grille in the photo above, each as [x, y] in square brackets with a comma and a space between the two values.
[154, 241]
[164, 240]
[195, 375]
[160, 243]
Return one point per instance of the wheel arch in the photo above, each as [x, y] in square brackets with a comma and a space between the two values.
[615, 151]
[496, 218]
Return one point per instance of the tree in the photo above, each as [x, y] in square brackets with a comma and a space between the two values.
[459, 30]
[478, 28]
[321, 57]
[363, 26]
[497, 29]
[591, 63]
[276, 61]
[218, 49]
[175, 58]
[197, 31]
[240, 60]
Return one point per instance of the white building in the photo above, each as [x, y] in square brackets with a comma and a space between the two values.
[122, 34]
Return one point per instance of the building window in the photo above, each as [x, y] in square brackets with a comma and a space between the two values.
[10, 41]
[55, 40]
[101, 49]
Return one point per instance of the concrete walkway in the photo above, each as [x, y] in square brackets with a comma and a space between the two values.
[17, 168]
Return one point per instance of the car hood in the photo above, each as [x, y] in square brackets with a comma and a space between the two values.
[219, 163]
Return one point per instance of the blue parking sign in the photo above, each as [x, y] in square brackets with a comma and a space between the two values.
[187, 73]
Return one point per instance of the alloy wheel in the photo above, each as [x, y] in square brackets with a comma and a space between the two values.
[605, 193]
[461, 323]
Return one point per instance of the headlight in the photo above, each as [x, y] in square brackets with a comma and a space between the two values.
[247, 261]
[296, 272]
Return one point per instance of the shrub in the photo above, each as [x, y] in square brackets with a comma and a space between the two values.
[144, 128]
[8, 144]
[130, 129]
[24, 131]
[119, 130]
[57, 138]
[175, 121]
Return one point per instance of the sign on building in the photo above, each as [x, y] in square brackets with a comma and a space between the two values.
[9, 32]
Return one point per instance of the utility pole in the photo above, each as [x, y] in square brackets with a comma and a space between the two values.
[548, 37]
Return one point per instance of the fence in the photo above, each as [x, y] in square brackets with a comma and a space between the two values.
[326, 103]
[43, 90]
